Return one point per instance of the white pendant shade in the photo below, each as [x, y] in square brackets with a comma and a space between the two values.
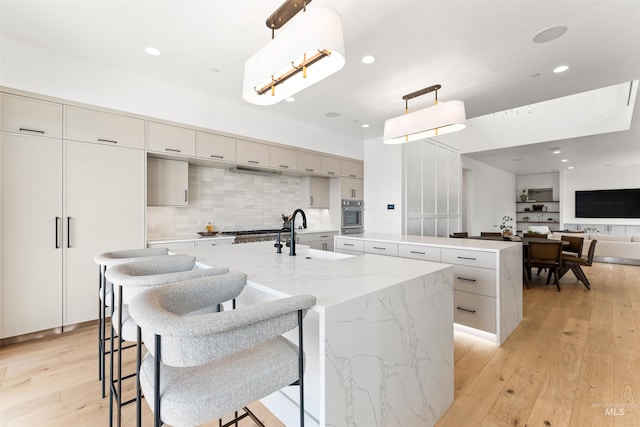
[316, 29]
[439, 119]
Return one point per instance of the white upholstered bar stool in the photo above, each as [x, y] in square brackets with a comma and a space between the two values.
[130, 279]
[106, 260]
[200, 368]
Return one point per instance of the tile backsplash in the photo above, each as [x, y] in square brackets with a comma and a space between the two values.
[231, 201]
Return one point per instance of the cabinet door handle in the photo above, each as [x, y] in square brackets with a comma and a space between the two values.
[465, 279]
[186, 192]
[215, 156]
[419, 253]
[255, 162]
[353, 176]
[464, 257]
[466, 309]
[107, 140]
[311, 204]
[348, 244]
[324, 237]
[31, 130]
[173, 150]
[284, 166]
[331, 173]
[57, 235]
[309, 170]
[68, 232]
[379, 248]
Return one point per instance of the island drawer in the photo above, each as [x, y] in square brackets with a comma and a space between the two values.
[350, 245]
[425, 253]
[467, 257]
[475, 311]
[475, 280]
[381, 248]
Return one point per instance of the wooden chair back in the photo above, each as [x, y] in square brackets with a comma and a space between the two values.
[592, 249]
[575, 244]
[542, 254]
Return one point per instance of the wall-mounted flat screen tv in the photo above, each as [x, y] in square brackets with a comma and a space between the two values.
[608, 203]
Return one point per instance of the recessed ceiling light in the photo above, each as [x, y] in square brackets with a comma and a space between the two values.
[368, 59]
[365, 125]
[549, 34]
[290, 99]
[564, 160]
[570, 167]
[152, 51]
[332, 114]
[214, 70]
[561, 69]
[557, 152]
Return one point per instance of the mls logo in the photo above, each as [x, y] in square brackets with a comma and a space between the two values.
[613, 412]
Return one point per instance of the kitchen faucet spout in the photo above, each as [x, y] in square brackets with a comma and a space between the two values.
[292, 243]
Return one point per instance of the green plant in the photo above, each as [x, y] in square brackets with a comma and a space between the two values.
[523, 192]
[506, 223]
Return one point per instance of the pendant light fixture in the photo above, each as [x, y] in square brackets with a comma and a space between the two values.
[309, 49]
[439, 119]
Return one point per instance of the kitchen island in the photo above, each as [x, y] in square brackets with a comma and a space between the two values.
[378, 343]
[487, 275]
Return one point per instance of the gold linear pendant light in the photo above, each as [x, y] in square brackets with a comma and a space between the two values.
[439, 119]
[280, 69]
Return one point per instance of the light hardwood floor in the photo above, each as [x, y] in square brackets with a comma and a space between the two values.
[573, 361]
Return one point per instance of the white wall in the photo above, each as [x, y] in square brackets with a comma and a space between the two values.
[34, 69]
[539, 180]
[382, 186]
[490, 196]
[605, 178]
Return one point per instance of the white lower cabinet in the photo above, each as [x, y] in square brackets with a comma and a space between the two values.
[421, 252]
[381, 248]
[214, 242]
[349, 246]
[63, 202]
[475, 311]
[322, 241]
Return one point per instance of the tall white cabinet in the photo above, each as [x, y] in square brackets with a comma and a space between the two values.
[62, 202]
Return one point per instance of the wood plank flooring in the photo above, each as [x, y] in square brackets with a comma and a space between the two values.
[573, 361]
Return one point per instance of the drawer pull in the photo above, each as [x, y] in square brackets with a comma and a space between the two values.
[107, 140]
[419, 253]
[465, 279]
[284, 166]
[255, 162]
[331, 173]
[324, 237]
[31, 130]
[348, 244]
[464, 257]
[379, 248]
[309, 170]
[215, 156]
[173, 150]
[466, 309]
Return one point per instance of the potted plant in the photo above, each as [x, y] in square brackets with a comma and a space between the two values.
[523, 195]
[506, 227]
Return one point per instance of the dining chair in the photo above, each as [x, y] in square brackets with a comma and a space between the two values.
[575, 245]
[575, 263]
[460, 234]
[546, 255]
[536, 235]
[490, 233]
[200, 368]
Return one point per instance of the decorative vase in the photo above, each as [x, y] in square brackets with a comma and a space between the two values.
[506, 232]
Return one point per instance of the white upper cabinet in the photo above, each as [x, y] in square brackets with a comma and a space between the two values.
[167, 182]
[82, 124]
[215, 147]
[170, 139]
[352, 169]
[31, 116]
[282, 158]
[252, 153]
[309, 162]
[330, 166]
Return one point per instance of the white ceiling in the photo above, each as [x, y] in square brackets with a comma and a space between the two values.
[481, 52]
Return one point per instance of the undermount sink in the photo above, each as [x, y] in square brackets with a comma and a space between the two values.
[318, 254]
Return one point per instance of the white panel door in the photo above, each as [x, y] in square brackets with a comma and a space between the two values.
[32, 219]
[104, 206]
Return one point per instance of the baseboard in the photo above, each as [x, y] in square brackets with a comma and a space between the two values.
[46, 333]
[612, 260]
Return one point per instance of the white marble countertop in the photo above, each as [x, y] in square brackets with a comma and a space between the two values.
[445, 242]
[331, 277]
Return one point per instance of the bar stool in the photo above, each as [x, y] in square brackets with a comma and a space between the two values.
[106, 260]
[130, 279]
